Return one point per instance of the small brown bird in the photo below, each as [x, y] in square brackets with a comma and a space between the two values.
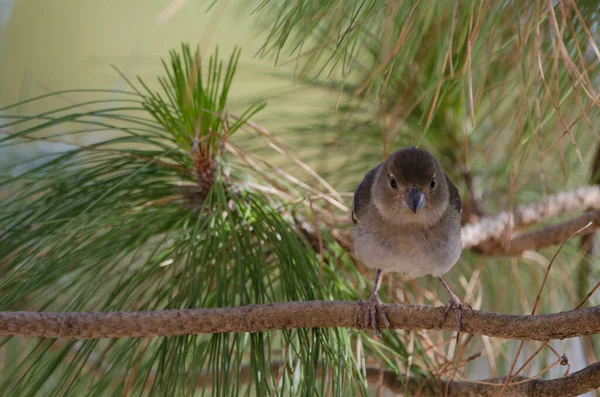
[406, 216]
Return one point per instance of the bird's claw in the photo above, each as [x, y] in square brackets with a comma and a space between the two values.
[458, 306]
[373, 308]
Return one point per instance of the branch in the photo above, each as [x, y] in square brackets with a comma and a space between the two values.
[543, 237]
[572, 385]
[505, 223]
[588, 248]
[278, 316]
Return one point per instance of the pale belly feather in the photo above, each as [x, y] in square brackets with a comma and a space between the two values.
[416, 258]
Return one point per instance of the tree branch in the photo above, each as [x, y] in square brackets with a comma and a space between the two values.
[543, 237]
[505, 223]
[572, 385]
[322, 314]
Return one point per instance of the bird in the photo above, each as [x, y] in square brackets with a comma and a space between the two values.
[406, 216]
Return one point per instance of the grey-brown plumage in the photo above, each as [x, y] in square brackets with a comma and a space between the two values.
[406, 216]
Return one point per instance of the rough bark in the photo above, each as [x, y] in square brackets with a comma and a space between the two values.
[326, 314]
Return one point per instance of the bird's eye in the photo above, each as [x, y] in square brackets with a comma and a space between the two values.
[433, 183]
[393, 183]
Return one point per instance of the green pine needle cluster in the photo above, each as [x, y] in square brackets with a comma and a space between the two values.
[106, 227]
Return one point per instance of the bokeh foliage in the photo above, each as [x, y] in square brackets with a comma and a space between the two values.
[479, 83]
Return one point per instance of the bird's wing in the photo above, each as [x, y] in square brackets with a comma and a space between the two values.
[454, 195]
[362, 195]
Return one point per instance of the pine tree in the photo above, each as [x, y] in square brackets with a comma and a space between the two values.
[180, 206]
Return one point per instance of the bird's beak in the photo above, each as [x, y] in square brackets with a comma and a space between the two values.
[415, 199]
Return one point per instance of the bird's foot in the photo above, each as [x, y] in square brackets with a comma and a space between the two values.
[458, 306]
[373, 308]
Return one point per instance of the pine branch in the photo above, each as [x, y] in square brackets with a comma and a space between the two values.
[588, 248]
[543, 237]
[505, 223]
[311, 314]
[574, 384]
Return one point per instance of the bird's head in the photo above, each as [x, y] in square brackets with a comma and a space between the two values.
[410, 187]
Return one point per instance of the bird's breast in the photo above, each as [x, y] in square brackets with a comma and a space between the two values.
[416, 252]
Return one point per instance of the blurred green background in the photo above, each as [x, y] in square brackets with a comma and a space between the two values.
[51, 46]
